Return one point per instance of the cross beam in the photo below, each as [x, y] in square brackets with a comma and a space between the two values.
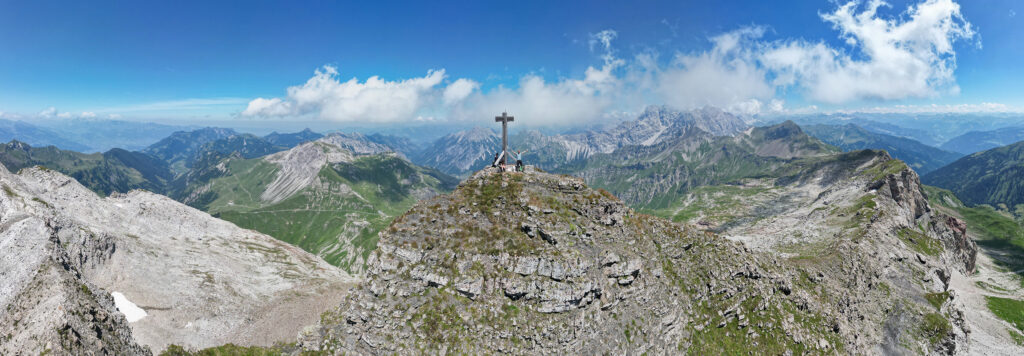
[504, 119]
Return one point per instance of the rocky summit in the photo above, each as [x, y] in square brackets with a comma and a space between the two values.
[535, 263]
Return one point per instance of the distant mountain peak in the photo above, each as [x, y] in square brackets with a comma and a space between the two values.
[475, 134]
[356, 142]
[783, 130]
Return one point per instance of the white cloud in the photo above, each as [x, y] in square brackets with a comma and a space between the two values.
[52, 112]
[911, 56]
[48, 112]
[268, 107]
[564, 101]
[87, 114]
[459, 90]
[374, 100]
[884, 58]
[539, 102]
[604, 39]
[726, 76]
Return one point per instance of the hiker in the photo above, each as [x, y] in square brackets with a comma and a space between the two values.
[518, 155]
[495, 162]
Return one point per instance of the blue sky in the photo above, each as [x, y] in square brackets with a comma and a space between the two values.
[558, 62]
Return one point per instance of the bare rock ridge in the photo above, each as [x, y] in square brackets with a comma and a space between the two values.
[48, 305]
[300, 166]
[859, 229]
[528, 263]
[357, 143]
[201, 281]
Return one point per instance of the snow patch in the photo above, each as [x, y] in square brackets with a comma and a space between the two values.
[131, 311]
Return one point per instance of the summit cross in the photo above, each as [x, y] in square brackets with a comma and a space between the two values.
[504, 119]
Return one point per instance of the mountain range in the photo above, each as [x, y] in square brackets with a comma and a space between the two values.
[977, 141]
[994, 177]
[462, 152]
[116, 170]
[655, 177]
[932, 129]
[759, 239]
[38, 136]
[655, 125]
[850, 137]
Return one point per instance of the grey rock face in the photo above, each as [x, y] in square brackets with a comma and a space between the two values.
[202, 281]
[459, 273]
[858, 228]
[357, 143]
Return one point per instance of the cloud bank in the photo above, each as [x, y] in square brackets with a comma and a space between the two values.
[375, 99]
[912, 58]
[882, 58]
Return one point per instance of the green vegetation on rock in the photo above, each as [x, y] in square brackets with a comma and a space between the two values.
[937, 299]
[992, 228]
[935, 327]
[920, 241]
[1010, 310]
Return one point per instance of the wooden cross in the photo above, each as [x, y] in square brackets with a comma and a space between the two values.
[504, 119]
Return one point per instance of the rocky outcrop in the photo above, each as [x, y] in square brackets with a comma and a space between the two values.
[536, 263]
[849, 259]
[48, 306]
[300, 166]
[201, 281]
[357, 143]
[858, 228]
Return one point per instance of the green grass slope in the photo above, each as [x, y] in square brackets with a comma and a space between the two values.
[994, 229]
[337, 218]
[994, 177]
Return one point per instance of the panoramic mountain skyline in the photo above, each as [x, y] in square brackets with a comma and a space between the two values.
[273, 65]
[815, 177]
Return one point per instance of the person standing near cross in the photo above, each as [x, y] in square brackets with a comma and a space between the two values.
[504, 119]
[518, 155]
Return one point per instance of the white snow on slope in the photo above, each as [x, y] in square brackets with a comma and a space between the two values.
[131, 311]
